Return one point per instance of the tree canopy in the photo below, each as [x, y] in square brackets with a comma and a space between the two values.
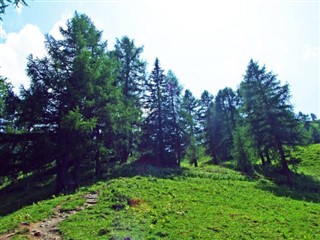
[88, 107]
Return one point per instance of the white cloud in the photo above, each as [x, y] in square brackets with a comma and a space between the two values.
[99, 24]
[55, 30]
[15, 50]
[309, 53]
[15, 47]
[3, 34]
[62, 22]
[19, 8]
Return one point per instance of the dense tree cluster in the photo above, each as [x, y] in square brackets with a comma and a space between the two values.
[87, 106]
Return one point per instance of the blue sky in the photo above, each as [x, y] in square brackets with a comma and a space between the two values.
[208, 44]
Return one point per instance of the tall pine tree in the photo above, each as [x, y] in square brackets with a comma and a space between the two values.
[154, 124]
[173, 119]
[268, 111]
[191, 126]
[73, 96]
[130, 77]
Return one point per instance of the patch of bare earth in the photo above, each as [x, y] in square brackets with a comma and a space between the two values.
[48, 229]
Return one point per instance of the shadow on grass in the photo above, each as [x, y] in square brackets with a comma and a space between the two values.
[26, 191]
[270, 178]
[303, 187]
[137, 169]
[40, 187]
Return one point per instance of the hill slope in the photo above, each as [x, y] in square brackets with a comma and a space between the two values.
[210, 202]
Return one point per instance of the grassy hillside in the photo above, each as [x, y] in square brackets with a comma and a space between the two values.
[210, 202]
[310, 156]
[192, 208]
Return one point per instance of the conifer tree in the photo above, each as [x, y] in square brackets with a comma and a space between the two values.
[189, 112]
[214, 133]
[130, 78]
[226, 110]
[242, 149]
[174, 117]
[205, 102]
[266, 104]
[154, 124]
[73, 96]
[221, 121]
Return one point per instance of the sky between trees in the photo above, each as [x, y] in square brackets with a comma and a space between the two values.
[208, 45]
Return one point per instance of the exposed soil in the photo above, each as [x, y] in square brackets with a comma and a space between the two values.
[48, 229]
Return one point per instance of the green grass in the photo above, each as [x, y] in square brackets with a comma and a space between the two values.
[310, 164]
[31, 213]
[192, 208]
[25, 190]
[40, 210]
[209, 202]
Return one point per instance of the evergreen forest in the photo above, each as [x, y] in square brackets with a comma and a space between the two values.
[91, 113]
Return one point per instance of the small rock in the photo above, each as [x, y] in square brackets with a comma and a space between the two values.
[37, 234]
[54, 230]
[25, 224]
[9, 236]
[91, 196]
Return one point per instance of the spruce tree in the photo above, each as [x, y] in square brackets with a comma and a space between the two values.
[214, 133]
[221, 122]
[205, 102]
[130, 78]
[226, 103]
[242, 149]
[267, 108]
[154, 124]
[189, 112]
[73, 96]
[174, 117]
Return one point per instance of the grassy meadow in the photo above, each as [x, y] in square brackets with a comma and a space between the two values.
[208, 202]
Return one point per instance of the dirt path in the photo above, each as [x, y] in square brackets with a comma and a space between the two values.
[48, 228]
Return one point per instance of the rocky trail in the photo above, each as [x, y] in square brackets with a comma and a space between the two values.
[48, 229]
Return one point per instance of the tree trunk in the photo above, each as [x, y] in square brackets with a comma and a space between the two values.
[178, 153]
[195, 163]
[97, 156]
[263, 162]
[76, 172]
[266, 152]
[284, 164]
[125, 151]
[125, 148]
[215, 159]
[97, 171]
[61, 174]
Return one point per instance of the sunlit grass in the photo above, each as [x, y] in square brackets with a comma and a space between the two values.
[40, 210]
[192, 208]
[310, 164]
[208, 202]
